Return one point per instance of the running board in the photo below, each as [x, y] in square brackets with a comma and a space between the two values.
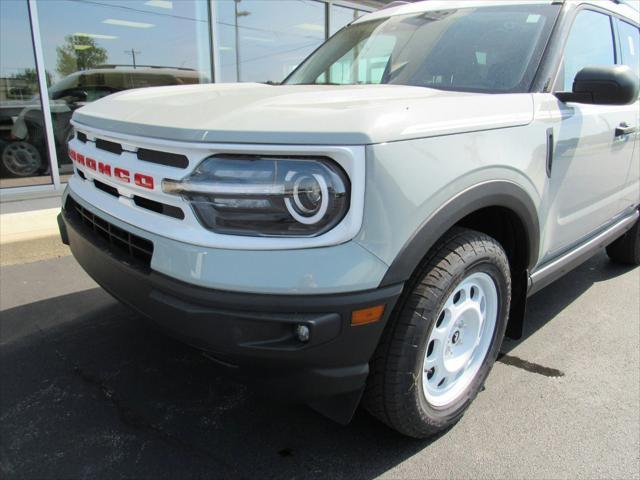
[554, 269]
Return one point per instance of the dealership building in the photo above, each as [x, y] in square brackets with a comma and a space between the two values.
[58, 55]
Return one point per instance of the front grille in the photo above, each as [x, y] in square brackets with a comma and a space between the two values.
[108, 236]
[146, 155]
[142, 202]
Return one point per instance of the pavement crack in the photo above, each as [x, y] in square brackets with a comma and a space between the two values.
[529, 366]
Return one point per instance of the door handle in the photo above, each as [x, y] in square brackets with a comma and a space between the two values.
[624, 129]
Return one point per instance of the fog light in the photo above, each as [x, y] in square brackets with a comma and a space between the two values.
[302, 333]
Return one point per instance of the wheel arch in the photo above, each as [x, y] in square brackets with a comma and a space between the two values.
[501, 209]
[504, 195]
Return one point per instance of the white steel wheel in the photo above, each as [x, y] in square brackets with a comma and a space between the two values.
[460, 339]
[443, 337]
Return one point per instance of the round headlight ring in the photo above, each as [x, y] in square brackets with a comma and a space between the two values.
[297, 209]
[301, 189]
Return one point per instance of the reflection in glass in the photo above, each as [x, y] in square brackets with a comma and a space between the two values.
[630, 46]
[95, 48]
[264, 40]
[24, 158]
[590, 43]
[491, 49]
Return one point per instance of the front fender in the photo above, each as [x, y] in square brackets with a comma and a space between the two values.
[499, 193]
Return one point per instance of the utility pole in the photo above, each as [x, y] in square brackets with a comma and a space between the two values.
[133, 53]
[238, 14]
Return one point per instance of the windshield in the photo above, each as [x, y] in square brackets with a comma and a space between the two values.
[484, 49]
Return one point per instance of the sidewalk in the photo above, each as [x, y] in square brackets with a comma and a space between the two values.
[30, 235]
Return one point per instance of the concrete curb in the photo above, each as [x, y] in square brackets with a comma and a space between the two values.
[30, 236]
[27, 226]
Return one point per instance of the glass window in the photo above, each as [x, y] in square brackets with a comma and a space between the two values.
[341, 16]
[486, 49]
[590, 43]
[264, 40]
[24, 159]
[630, 45]
[94, 48]
[368, 67]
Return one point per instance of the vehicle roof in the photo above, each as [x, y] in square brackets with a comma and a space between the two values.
[430, 5]
[139, 70]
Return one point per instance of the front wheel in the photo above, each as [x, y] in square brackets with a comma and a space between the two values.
[444, 336]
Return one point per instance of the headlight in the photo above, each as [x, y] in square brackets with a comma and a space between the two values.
[265, 196]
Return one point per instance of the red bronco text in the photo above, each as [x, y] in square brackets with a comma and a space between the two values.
[120, 174]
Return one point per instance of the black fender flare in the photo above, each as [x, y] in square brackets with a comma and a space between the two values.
[498, 193]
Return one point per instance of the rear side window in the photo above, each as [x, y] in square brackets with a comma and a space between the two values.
[630, 46]
[590, 43]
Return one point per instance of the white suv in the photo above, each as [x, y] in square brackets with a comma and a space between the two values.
[371, 228]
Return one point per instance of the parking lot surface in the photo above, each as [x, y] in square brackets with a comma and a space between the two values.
[89, 390]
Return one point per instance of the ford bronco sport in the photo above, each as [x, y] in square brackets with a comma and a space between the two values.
[370, 229]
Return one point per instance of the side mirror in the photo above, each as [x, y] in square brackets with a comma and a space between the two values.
[603, 85]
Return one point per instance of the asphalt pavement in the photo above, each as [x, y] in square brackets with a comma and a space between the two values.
[89, 390]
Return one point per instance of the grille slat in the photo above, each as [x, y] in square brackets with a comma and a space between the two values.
[158, 207]
[163, 158]
[106, 188]
[115, 238]
[108, 146]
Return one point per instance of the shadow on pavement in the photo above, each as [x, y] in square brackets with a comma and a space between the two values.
[545, 305]
[103, 396]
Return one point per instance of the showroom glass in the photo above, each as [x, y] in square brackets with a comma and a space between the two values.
[23, 161]
[488, 49]
[590, 43]
[264, 40]
[94, 48]
[341, 16]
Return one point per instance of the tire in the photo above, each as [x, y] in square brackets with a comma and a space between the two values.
[21, 159]
[626, 249]
[399, 390]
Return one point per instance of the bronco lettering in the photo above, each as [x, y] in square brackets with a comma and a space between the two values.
[121, 174]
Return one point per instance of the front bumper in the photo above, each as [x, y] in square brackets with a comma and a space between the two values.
[253, 332]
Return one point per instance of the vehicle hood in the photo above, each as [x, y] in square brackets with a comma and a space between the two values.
[301, 114]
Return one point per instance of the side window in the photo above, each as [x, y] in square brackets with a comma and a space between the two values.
[590, 43]
[630, 45]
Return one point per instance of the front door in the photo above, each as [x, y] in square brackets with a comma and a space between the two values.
[586, 189]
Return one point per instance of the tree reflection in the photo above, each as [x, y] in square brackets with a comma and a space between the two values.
[79, 52]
